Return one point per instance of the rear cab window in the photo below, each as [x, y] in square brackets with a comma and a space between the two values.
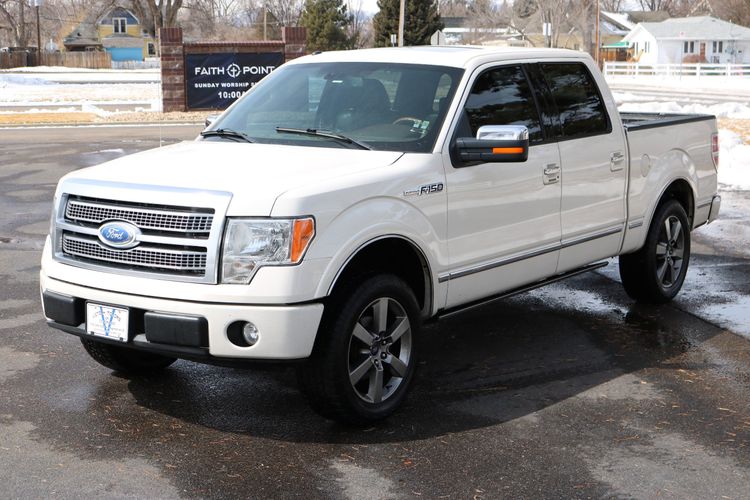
[579, 104]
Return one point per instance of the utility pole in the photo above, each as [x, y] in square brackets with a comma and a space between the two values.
[37, 4]
[265, 22]
[21, 29]
[598, 29]
[401, 14]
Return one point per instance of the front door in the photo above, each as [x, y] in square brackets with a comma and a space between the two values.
[503, 218]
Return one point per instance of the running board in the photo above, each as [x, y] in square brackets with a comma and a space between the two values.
[526, 288]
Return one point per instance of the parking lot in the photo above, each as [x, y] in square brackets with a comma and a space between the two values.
[568, 391]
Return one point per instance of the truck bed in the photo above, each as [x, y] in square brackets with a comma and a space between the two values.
[640, 121]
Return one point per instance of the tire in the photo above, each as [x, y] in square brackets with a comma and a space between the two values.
[363, 362]
[125, 360]
[655, 273]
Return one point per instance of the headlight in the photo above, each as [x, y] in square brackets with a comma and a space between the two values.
[252, 243]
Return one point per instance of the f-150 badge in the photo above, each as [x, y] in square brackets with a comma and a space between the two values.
[426, 189]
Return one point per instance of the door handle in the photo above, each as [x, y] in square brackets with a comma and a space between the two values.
[551, 173]
[615, 161]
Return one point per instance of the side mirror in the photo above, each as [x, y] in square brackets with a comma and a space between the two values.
[495, 143]
[210, 119]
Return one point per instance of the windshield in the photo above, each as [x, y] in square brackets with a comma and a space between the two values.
[387, 107]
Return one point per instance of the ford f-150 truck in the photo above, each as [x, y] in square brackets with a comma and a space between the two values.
[351, 196]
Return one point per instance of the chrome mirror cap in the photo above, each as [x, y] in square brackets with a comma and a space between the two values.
[503, 133]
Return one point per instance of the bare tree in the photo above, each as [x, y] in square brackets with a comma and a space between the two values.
[13, 13]
[612, 5]
[735, 11]
[581, 17]
[286, 12]
[656, 5]
[162, 12]
[359, 30]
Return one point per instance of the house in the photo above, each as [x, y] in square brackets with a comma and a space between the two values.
[119, 32]
[702, 39]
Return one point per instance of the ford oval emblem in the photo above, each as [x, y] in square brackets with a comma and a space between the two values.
[119, 234]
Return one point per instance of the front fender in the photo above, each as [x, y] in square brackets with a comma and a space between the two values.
[354, 228]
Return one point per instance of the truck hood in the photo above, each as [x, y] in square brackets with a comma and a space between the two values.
[255, 174]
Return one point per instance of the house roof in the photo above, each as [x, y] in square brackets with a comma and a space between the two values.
[84, 34]
[645, 16]
[619, 21]
[696, 28]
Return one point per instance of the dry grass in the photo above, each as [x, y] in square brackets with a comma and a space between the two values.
[78, 117]
[72, 118]
[739, 127]
[152, 116]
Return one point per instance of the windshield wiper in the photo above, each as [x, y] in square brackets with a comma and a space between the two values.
[225, 132]
[324, 133]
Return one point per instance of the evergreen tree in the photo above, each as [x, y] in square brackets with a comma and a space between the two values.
[421, 20]
[326, 22]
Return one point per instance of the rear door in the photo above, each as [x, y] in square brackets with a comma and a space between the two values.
[593, 165]
[503, 218]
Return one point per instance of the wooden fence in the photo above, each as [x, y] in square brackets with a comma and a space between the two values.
[12, 60]
[91, 60]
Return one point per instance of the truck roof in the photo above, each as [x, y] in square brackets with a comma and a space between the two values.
[459, 56]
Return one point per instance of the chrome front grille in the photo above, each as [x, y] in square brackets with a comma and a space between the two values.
[145, 218]
[179, 241]
[151, 258]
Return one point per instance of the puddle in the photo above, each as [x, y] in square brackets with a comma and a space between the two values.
[733, 315]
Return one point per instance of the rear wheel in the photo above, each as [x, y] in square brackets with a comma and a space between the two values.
[655, 273]
[125, 360]
[364, 359]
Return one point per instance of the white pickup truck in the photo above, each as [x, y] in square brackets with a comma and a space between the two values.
[350, 196]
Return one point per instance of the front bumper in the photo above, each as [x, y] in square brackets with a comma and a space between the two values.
[286, 332]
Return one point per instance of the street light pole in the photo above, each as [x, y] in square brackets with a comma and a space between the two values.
[401, 14]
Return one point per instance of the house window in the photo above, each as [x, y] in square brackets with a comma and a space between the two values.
[636, 47]
[718, 47]
[120, 24]
[689, 47]
[646, 46]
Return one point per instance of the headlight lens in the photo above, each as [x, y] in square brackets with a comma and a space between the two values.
[252, 243]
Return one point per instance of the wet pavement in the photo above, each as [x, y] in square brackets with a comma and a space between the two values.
[568, 391]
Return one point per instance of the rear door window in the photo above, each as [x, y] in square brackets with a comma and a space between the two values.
[576, 96]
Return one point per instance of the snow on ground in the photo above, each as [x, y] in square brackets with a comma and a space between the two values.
[690, 83]
[64, 86]
[734, 161]
[30, 93]
[57, 74]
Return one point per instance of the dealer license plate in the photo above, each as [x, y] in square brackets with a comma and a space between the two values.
[107, 321]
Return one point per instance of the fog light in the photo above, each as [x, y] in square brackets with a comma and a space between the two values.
[243, 334]
[250, 334]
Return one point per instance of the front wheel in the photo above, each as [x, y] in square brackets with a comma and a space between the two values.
[655, 273]
[364, 359]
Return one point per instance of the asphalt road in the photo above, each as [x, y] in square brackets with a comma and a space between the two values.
[569, 391]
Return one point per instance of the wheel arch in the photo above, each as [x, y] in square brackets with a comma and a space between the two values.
[682, 191]
[391, 253]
